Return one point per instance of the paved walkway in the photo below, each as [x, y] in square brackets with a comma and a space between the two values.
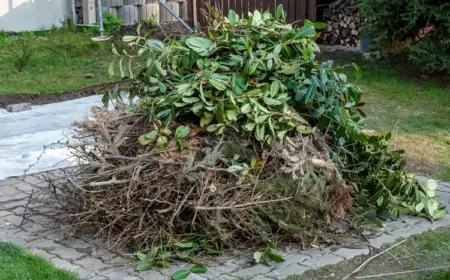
[23, 135]
[91, 260]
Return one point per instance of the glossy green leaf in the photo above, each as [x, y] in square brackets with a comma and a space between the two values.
[190, 100]
[163, 113]
[181, 132]
[232, 17]
[129, 38]
[199, 269]
[156, 45]
[232, 115]
[275, 88]
[206, 119]
[181, 274]
[161, 142]
[432, 206]
[217, 84]
[201, 45]
[439, 214]
[306, 31]
[246, 108]
[271, 101]
[257, 256]
[432, 185]
[249, 126]
[316, 25]
[111, 68]
[310, 92]
[185, 245]
[144, 266]
[280, 12]
[212, 128]
[261, 118]
[274, 256]
[141, 256]
[419, 207]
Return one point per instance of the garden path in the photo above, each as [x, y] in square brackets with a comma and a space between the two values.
[23, 135]
[90, 258]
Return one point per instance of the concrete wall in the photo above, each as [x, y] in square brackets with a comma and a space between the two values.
[20, 15]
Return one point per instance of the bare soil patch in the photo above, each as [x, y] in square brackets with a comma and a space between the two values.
[41, 99]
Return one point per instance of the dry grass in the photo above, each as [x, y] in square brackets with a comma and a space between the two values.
[425, 154]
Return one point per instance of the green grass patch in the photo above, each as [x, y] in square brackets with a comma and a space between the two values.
[397, 101]
[52, 61]
[419, 252]
[17, 264]
[416, 108]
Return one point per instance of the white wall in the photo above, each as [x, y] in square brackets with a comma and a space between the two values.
[20, 15]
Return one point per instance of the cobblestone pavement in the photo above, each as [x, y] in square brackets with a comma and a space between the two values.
[91, 260]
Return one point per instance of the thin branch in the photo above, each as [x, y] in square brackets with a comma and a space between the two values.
[80, 188]
[110, 182]
[26, 207]
[243, 205]
[371, 259]
[181, 204]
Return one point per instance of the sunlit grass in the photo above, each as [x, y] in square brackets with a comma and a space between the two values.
[17, 264]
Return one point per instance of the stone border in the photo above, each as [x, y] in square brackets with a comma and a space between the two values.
[89, 258]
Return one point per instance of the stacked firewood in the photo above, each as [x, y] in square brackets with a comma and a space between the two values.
[343, 24]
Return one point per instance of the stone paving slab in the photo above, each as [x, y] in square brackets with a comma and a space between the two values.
[91, 259]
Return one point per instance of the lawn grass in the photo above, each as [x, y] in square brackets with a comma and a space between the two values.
[52, 61]
[16, 264]
[419, 252]
[415, 109]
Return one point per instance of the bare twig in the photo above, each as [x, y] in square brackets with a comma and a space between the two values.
[242, 205]
[26, 207]
[371, 259]
[182, 204]
[84, 190]
[107, 183]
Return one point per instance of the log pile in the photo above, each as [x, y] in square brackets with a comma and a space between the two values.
[343, 24]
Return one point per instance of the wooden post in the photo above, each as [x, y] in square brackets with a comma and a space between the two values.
[312, 10]
[301, 11]
[89, 16]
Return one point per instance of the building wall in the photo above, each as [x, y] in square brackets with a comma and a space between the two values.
[21, 15]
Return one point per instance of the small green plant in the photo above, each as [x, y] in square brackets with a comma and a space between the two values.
[151, 21]
[183, 273]
[111, 23]
[269, 254]
[2, 35]
[187, 249]
[69, 25]
[24, 53]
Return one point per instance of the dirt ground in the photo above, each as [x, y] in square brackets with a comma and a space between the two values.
[41, 99]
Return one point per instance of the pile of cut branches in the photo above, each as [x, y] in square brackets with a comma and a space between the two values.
[238, 135]
[128, 192]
